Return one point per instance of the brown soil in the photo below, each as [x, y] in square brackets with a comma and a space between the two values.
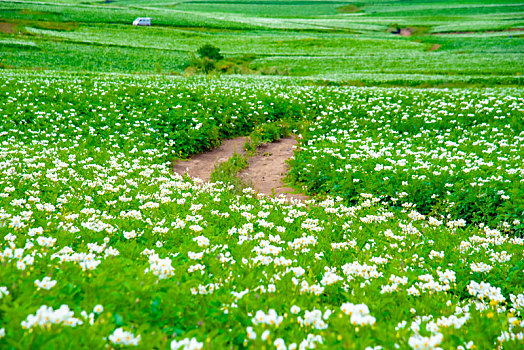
[7, 28]
[406, 32]
[201, 165]
[435, 47]
[267, 168]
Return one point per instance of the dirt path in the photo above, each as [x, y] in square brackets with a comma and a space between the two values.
[265, 172]
[201, 165]
[268, 167]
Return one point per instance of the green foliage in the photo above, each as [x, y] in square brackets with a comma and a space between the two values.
[227, 172]
[351, 8]
[89, 200]
[269, 132]
[429, 150]
[206, 61]
[419, 205]
[284, 38]
[201, 65]
[210, 52]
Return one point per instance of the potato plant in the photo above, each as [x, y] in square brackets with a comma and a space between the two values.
[103, 246]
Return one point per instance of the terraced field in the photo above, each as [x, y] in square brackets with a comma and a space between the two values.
[441, 43]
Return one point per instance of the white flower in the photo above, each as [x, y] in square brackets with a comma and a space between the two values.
[130, 234]
[186, 344]
[45, 315]
[279, 344]
[35, 231]
[251, 333]
[202, 241]
[98, 309]
[480, 267]
[121, 337]
[46, 241]
[271, 318]
[419, 342]
[46, 283]
[295, 309]
[359, 314]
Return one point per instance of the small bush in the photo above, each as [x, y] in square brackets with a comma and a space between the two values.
[210, 52]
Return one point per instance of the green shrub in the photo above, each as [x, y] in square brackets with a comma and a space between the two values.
[210, 52]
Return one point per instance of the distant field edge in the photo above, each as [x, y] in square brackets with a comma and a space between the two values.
[378, 80]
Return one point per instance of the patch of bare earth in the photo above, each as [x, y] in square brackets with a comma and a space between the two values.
[435, 47]
[201, 165]
[267, 168]
[406, 32]
[7, 28]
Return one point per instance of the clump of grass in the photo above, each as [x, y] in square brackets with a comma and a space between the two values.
[269, 132]
[227, 172]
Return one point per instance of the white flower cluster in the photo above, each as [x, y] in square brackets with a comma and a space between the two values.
[134, 214]
[360, 270]
[160, 267]
[305, 287]
[302, 242]
[46, 283]
[359, 314]
[271, 318]
[87, 261]
[517, 301]
[3, 292]
[47, 242]
[315, 319]
[121, 337]
[186, 344]
[485, 290]
[46, 316]
[205, 289]
[330, 278]
[480, 267]
[202, 241]
[419, 342]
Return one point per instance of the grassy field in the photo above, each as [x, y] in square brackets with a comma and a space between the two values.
[409, 122]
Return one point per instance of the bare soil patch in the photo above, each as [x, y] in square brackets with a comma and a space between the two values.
[8, 28]
[201, 165]
[406, 32]
[267, 168]
[435, 47]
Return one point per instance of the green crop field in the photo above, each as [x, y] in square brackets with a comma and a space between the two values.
[409, 123]
[333, 40]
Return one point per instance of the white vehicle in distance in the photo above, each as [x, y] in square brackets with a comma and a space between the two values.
[142, 21]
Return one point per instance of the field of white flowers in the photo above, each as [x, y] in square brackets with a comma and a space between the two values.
[457, 153]
[103, 246]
